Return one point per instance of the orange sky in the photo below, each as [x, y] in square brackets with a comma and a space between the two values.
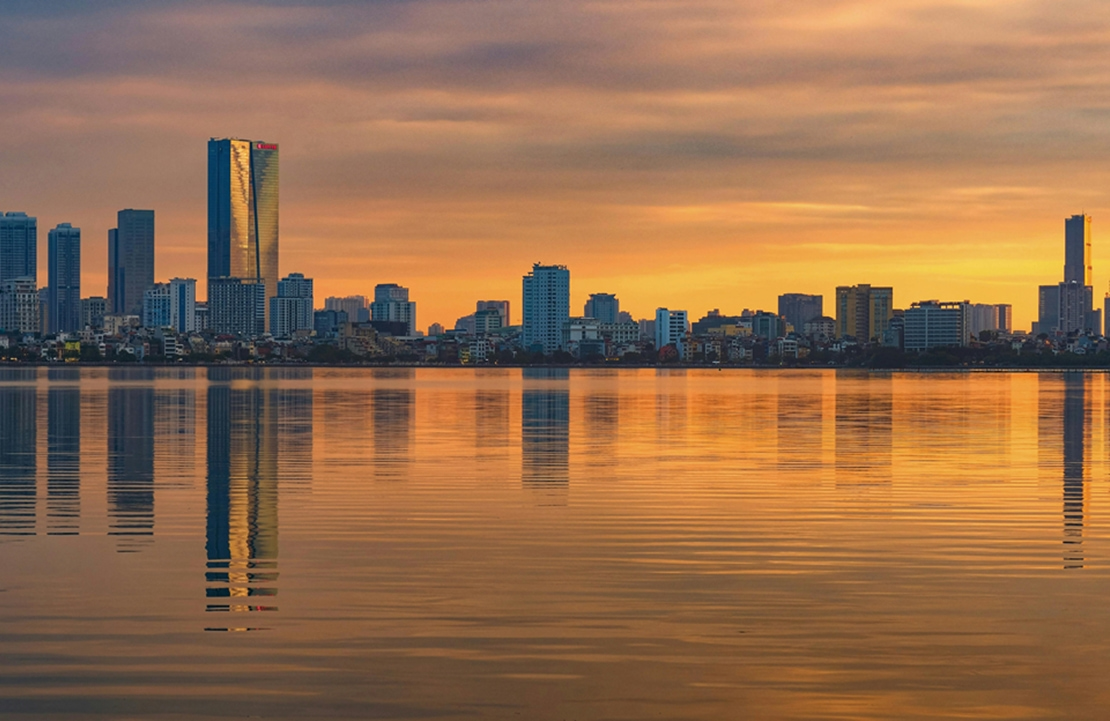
[690, 154]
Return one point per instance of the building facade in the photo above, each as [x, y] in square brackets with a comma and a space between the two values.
[19, 242]
[800, 308]
[391, 304]
[93, 311]
[236, 306]
[670, 328]
[19, 306]
[64, 278]
[130, 260]
[863, 311]
[546, 296]
[501, 306]
[243, 180]
[291, 309]
[355, 306]
[933, 324]
[605, 307]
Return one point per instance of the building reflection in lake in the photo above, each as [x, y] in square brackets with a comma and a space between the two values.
[545, 428]
[130, 456]
[18, 438]
[393, 421]
[63, 452]
[864, 429]
[1075, 436]
[242, 497]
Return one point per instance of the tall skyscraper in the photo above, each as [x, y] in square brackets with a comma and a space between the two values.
[391, 304]
[546, 307]
[798, 308]
[291, 308]
[605, 307]
[19, 238]
[130, 260]
[243, 212]
[64, 277]
[1069, 306]
[863, 311]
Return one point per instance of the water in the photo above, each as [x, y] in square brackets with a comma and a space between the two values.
[550, 544]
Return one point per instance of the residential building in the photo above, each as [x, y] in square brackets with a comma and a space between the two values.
[64, 278]
[157, 304]
[1077, 249]
[799, 308]
[546, 296]
[392, 304]
[236, 306]
[605, 307]
[130, 260]
[243, 217]
[19, 306]
[327, 323]
[435, 329]
[487, 321]
[863, 311]
[355, 306]
[291, 309]
[582, 338]
[712, 321]
[933, 324]
[1005, 315]
[820, 328]
[501, 306]
[670, 328]
[19, 242]
[93, 311]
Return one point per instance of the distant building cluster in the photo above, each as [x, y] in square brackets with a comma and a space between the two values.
[253, 312]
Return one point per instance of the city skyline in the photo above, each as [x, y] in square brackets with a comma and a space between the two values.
[803, 146]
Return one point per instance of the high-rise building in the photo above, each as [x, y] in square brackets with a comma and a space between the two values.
[291, 309]
[486, 321]
[19, 242]
[130, 260]
[799, 308]
[157, 302]
[933, 324]
[93, 311]
[19, 306]
[392, 305]
[670, 328]
[546, 305]
[236, 306]
[605, 307]
[1069, 306]
[1005, 313]
[171, 305]
[501, 306]
[863, 311]
[64, 277]
[355, 306]
[243, 212]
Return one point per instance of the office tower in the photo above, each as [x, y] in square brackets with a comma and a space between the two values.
[863, 312]
[1069, 306]
[93, 311]
[392, 305]
[1077, 249]
[243, 212]
[130, 260]
[355, 306]
[546, 307]
[291, 309]
[236, 306]
[19, 306]
[670, 328]
[799, 308]
[501, 306]
[933, 324]
[156, 306]
[603, 306]
[1005, 314]
[64, 277]
[19, 239]
[327, 323]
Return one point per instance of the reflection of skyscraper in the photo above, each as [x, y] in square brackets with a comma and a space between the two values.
[393, 416]
[130, 456]
[1075, 425]
[63, 455]
[242, 511]
[243, 212]
[294, 442]
[602, 418]
[175, 420]
[17, 455]
[491, 420]
[545, 429]
[863, 429]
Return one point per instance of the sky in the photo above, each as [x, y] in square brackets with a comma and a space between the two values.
[697, 154]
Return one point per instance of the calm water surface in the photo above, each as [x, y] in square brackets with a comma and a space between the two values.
[553, 544]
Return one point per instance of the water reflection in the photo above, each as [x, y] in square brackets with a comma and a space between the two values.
[242, 498]
[1074, 432]
[63, 453]
[18, 438]
[864, 422]
[545, 429]
[130, 457]
[393, 419]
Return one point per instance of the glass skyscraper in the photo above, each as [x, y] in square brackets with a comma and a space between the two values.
[130, 260]
[243, 211]
[64, 277]
[18, 246]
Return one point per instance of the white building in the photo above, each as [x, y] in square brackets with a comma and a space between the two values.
[933, 324]
[171, 305]
[157, 303]
[670, 328]
[291, 310]
[546, 292]
[19, 306]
